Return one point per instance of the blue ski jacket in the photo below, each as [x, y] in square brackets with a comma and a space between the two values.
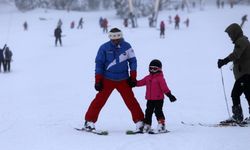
[114, 61]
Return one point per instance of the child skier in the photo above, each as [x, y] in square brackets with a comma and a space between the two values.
[156, 87]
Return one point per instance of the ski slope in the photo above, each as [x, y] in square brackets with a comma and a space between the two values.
[50, 88]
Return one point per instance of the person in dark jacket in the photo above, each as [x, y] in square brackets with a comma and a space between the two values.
[116, 67]
[58, 35]
[241, 69]
[243, 20]
[162, 29]
[7, 59]
[2, 58]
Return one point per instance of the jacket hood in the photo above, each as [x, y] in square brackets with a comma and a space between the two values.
[234, 31]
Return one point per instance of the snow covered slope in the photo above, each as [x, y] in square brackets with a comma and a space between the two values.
[50, 88]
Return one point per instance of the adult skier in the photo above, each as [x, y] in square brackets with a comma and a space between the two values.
[7, 59]
[113, 61]
[2, 58]
[58, 35]
[241, 69]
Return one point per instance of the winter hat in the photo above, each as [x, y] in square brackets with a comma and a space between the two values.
[115, 34]
[156, 63]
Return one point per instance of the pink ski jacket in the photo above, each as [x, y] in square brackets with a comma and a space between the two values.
[156, 86]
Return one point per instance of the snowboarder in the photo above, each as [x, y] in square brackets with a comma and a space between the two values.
[241, 69]
[156, 87]
[58, 35]
[113, 60]
[177, 21]
[243, 20]
[162, 29]
[2, 58]
[80, 23]
[25, 26]
[7, 59]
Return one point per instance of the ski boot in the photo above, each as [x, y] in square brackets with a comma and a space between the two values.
[247, 119]
[89, 126]
[236, 118]
[139, 126]
[161, 127]
[147, 128]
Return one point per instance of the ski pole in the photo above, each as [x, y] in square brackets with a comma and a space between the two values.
[223, 85]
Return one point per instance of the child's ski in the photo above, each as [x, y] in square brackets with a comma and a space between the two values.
[158, 132]
[98, 132]
[131, 132]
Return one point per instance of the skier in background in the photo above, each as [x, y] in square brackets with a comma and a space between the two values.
[187, 22]
[241, 69]
[162, 29]
[177, 21]
[7, 58]
[58, 35]
[25, 26]
[105, 25]
[156, 87]
[113, 61]
[80, 23]
[243, 20]
[2, 58]
[72, 25]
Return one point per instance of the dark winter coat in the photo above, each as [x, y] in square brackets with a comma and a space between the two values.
[241, 53]
[1, 55]
[58, 32]
[8, 54]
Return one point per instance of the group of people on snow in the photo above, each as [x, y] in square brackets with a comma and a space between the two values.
[5, 58]
[116, 68]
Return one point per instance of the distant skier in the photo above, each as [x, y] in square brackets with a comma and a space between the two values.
[58, 35]
[25, 26]
[7, 59]
[177, 21]
[162, 29]
[100, 22]
[115, 60]
[241, 69]
[80, 23]
[156, 87]
[72, 25]
[125, 22]
[169, 19]
[243, 20]
[2, 58]
[59, 23]
[186, 22]
[105, 25]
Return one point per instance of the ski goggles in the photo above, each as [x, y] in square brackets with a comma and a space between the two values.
[154, 69]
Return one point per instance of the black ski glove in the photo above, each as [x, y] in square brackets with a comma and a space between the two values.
[131, 82]
[98, 86]
[171, 97]
[222, 62]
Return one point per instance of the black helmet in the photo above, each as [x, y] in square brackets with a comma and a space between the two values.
[155, 66]
[156, 63]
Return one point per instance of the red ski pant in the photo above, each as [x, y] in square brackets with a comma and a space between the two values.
[102, 97]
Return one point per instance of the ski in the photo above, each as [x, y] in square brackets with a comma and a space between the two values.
[232, 124]
[158, 132]
[98, 132]
[131, 132]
